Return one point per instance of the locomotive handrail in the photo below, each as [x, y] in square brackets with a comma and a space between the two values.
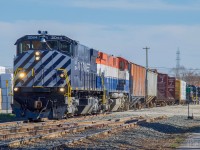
[15, 74]
[17, 70]
[104, 89]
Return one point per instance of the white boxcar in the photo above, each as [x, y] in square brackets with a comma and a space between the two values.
[152, 83]
[183, 87]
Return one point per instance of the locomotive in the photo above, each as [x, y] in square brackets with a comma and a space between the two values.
[55, 77]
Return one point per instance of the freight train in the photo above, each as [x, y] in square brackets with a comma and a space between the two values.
[55, 77]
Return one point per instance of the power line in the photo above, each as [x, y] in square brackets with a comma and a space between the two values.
[177, 63]
[173, 68]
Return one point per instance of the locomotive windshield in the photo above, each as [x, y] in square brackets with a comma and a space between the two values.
[59, 43]
[27, 45]
[52, 44]
[36, 45]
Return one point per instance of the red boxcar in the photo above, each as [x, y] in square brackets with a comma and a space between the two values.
[171, 87]
[166, 89]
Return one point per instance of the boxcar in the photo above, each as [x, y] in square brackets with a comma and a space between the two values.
[180, 91]
[166, 89]
[171, 89]
[152, 87]
[137, 84]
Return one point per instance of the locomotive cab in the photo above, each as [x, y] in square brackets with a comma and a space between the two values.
[42, 69]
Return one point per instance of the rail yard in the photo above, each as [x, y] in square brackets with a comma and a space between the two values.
[66, 95]
[99, 75]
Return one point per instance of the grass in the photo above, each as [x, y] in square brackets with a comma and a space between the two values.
[177, 142]
[6, 117]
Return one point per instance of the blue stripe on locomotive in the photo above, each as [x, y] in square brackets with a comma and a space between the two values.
[84, 73]
[112, 84]
[84, 68]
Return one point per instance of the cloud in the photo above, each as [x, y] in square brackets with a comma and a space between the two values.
[120, 40]
[126, 4]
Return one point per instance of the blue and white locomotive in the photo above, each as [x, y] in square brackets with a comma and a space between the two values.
[55, 76]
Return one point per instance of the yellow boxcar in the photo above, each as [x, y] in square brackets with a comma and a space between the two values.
[180, 91]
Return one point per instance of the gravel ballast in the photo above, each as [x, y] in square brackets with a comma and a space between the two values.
[167, 133]
[163, 134]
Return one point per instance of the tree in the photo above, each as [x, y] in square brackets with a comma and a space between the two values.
[191, 76]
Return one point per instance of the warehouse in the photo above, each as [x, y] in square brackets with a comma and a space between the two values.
[6, 79]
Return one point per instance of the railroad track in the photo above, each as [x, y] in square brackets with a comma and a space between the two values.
[24, 125]
[63, 133]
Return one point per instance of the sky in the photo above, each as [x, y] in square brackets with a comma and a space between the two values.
[118, 27]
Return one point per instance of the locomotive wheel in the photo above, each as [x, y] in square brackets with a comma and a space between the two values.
[126, 106]
[135, 106]
[151, 104]
[140, 106]
[147, 105]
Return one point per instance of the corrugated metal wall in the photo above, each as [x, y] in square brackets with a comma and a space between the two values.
[171, 87]
[162, 86]
[138, 75]
[6, 98]
[180, 90]
[152, 83]
[183, 90]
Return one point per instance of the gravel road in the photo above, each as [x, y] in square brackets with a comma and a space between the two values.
[180, 110]
[163, 134]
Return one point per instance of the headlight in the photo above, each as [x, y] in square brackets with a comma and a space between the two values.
[62, 89]
[22, 75]
[16, 89]
[37, 58]
[37, 53]
[62, 75]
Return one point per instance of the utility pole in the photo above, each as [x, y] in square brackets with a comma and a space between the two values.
[7, 96]
[146, 80]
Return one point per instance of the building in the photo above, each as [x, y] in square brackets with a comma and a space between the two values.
[6, 86]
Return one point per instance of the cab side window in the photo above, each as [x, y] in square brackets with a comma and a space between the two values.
[65, 47]
[24, 46]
